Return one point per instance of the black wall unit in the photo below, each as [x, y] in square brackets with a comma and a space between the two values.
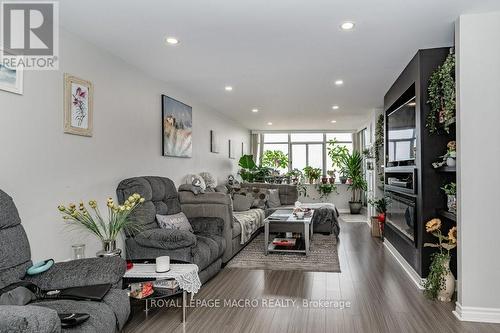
[429, 198]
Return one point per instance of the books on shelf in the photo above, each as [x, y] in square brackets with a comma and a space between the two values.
[284, 242]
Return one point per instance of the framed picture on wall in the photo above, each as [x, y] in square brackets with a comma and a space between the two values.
[78, 109]
[214, 146]
[177, 128]
[242, 149]
[11, 79]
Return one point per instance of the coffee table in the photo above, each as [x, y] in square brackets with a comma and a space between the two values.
[285, 220]
[185, 274]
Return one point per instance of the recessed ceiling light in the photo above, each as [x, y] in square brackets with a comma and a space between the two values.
[255, 110]
[171, 40]
[339, 82]
[333, 121]
[346, 26]
[335, 107]
[269, 123]
[228, 88]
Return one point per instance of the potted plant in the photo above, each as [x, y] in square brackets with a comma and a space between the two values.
[379, 220]
[451, 192]
[451, 153]
[440, 282]
[331, 173]
[108, 230]
[312, 174]
[295, 175]
[352, 164]
[325, 190]
[337, 154]
[248, 168]
[275, 159]
[324, 179]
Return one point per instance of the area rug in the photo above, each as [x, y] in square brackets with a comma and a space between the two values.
[323, 257]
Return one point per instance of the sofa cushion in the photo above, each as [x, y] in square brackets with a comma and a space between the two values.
[166, 238]
[175, 221]
[274, 198]
[288, 193]
[259, 196]
[208, 249]
[242, 202]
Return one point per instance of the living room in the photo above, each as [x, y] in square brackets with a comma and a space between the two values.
[284, 166]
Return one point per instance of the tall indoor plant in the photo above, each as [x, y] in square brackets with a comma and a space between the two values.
[352, 164]
[107, 230]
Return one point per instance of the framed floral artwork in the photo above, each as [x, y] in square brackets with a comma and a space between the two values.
[78, 111]
[11, 79]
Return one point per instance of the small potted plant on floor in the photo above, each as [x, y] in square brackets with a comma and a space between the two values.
[440, 282]
[378, 221]
[352, 164]
[451, 192]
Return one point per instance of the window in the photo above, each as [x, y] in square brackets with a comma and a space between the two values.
[306, 149]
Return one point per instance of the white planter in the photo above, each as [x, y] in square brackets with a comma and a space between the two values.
[447, 284]
[450, 161]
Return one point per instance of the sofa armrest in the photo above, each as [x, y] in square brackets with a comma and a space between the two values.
[214, 205]
[207, 225]
[168, 239]
[83, 272]
[28, 319]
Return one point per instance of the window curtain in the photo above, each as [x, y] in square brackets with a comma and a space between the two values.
[254, 142]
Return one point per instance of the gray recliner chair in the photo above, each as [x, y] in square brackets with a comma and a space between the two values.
[205, 247]
[41, 316]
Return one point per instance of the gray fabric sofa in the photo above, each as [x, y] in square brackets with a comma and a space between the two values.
[205, 247]
[41, 316]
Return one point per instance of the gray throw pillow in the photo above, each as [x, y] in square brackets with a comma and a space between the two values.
[273, 200]
[242, 203]
[175, 221]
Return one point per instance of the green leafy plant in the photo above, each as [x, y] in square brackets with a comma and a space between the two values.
[325, 190]
[379, 138]
[248, 168]
[275, 159]
[352, 164]
[312, 174]
[337, 154]
[450, 189]
[381, 204]
[439, 260]
[442, 96]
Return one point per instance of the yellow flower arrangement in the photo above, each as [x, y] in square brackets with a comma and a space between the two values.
[433, 225]
[92, 221]
[444, 242]
[452, 235]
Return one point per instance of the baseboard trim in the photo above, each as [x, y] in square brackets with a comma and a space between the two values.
[417, 280]
[343, 210]
[477, 314]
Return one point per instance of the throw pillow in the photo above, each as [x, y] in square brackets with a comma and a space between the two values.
[195, 180]
[274, 198]
[175, 221]
[210, 180]
[222, 189]
[259, 196]
[191, 188]
[242, 202]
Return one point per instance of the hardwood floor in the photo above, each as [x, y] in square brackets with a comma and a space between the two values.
[382, 299]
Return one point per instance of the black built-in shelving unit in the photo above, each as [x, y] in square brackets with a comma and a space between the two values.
[430, 200]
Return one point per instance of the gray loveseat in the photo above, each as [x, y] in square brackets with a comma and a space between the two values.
[205, 247]
[41, 316]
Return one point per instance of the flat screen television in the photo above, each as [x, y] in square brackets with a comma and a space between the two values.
[401, 133]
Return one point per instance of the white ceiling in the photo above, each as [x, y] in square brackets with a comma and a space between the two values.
[281, 56]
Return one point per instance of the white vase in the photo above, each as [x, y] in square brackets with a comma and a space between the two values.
[447, 284]
[450, 161]
[452, 203]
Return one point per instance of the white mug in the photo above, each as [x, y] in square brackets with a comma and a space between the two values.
[300, 215]
[162, 264]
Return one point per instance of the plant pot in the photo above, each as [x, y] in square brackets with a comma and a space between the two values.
[447, 284]
[452, 203]
[324, 180]
[450, 161]
[109, 249]
[355, 207]
[332, 180]
[343, 179]
[452, 154]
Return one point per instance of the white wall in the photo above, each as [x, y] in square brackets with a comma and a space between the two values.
[478, 80]
[340, 198]
[41, 167]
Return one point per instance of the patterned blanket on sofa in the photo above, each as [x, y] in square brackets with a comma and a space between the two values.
[250, 221]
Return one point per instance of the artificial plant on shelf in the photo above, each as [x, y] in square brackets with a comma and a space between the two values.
[442, 96]
[450, 190]
[107, 230]
[440, 282]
